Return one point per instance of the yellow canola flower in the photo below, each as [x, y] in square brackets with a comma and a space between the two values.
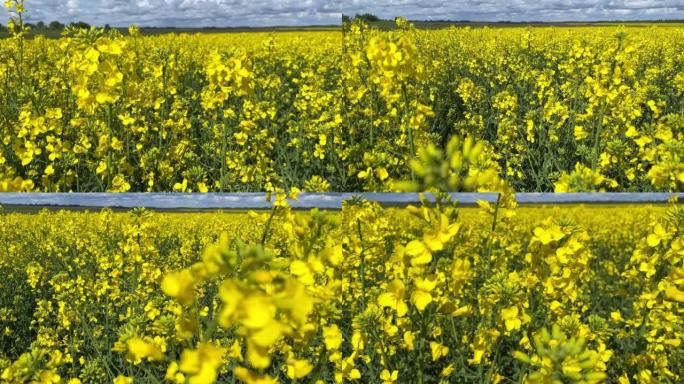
[388, 377]
[348, 370]
[139, 349]
[201, 365]
[332, 337]
[394, 297]
[409, 339]
[332, 254]
[442, 232]
[418, 252]
[297, 369]
[447, 371]
[438, 350]
[421, 297]
[121, 379]
[300, 269]
[250, 377]
[258, 355]
[659, 234]
[510, 317]
[180, 285]
[257, 311]
[673, 293]
[173, 374]
[548, 235]
[382, 174]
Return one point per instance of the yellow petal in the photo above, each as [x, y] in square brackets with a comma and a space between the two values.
[419, 253]
[421, 299]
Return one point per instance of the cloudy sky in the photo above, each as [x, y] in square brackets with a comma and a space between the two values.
[187, 13]
[306, 12]
[521, 10]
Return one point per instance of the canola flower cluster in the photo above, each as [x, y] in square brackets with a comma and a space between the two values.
[428, 294]
[423, 294]
[564, 109]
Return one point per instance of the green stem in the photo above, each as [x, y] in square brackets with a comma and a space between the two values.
[412, 147]
[362, 267]
[267, 229]
[597, 139]
[224, 142]
[21, 50]
[490, 242]
[211, 329]
[109, 146]
[421, 344]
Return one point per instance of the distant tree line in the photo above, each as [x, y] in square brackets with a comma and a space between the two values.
[366, 17]
[54, 25]
[369, 18]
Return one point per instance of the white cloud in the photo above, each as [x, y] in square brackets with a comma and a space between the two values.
[520, 10]
[183, 13]
[187, 13]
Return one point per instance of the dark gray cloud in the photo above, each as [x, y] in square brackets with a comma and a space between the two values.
[305, 12]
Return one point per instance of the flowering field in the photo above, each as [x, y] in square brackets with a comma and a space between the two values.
[427, 294]
[424, 294]
[597, 108]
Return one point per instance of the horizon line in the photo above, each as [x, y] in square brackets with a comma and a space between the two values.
[440, 21]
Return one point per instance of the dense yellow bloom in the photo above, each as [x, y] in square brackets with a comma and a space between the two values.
[202, 365]
[180, 286]
[242, 312]
[297, 369]
[139, 349]
[387, 377]
[121, 379]
[581, 179]
[570, 109]
[368, 294]
[438, 350]
[250, 377]
[510, 318]
[394, 298]
[418, 252]
[564, 358]
[332, 337]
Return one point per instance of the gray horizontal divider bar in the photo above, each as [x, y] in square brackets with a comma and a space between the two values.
[247, 201]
